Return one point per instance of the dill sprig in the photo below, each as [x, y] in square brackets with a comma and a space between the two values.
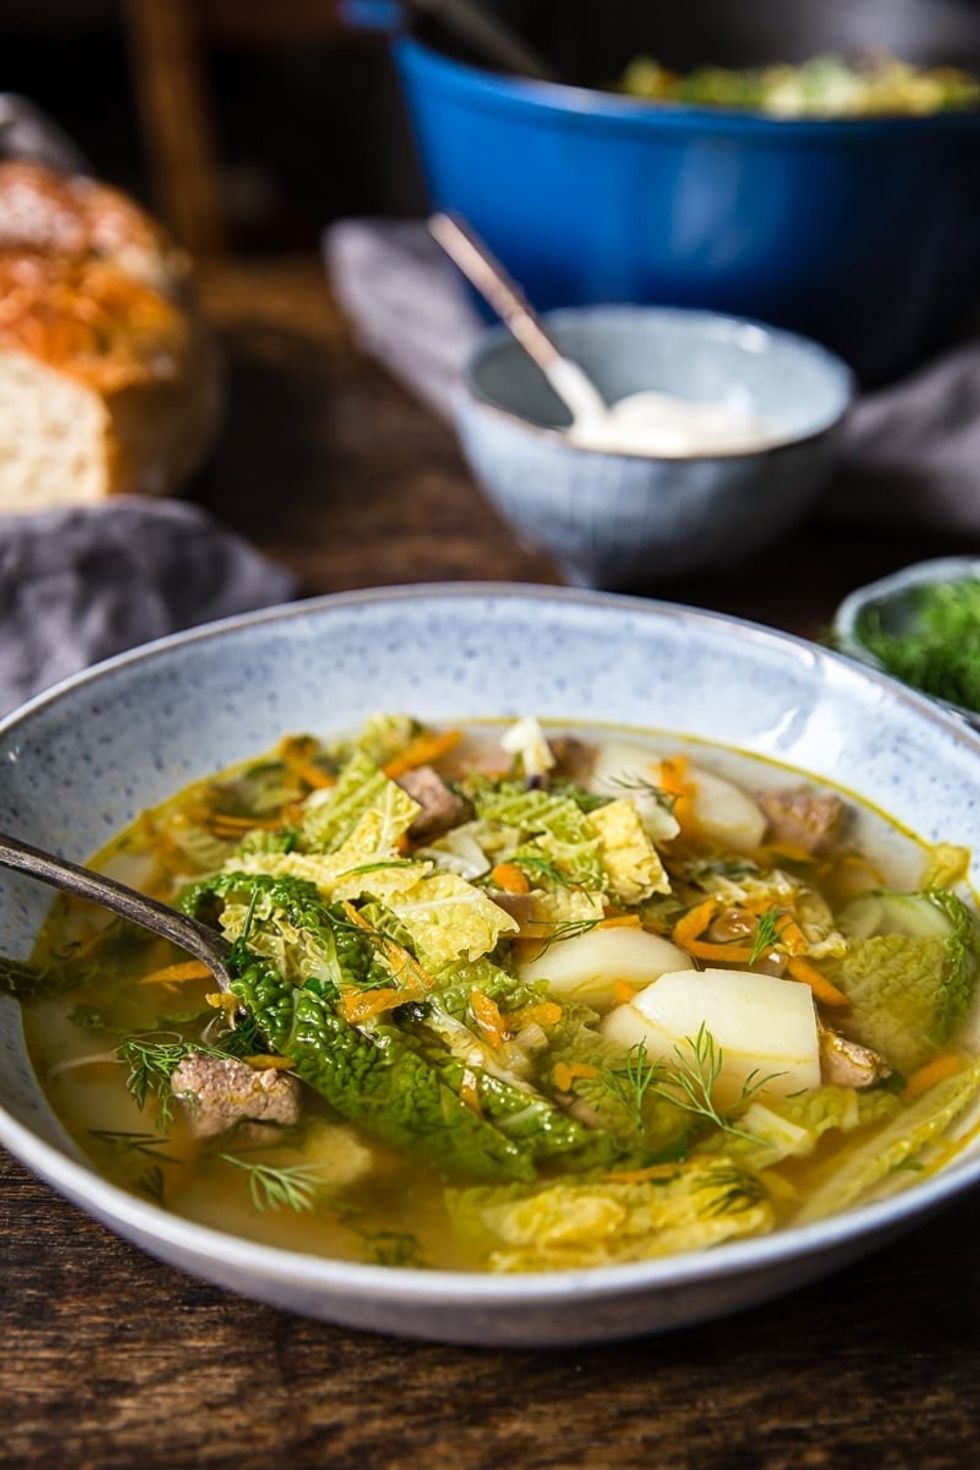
[567, 929]
[940, 652]
[123, 1141]
[630, 1083]
[689, 1083]
[152, 1059]
[294, 1186]
[376, 867]
[740, 1190]
[151, 1182]
[766, 933]
[544, 868]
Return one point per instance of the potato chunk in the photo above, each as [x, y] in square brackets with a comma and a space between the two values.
[589, 967]
[762, 1025]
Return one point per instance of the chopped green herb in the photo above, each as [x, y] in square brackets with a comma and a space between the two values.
[294, 1187]
[940, 653]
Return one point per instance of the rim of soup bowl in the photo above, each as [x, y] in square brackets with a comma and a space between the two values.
[86, 1187]
[470, 393]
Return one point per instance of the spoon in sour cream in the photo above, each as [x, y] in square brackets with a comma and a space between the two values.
[646, 422]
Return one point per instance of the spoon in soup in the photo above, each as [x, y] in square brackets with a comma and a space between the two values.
[187, 933]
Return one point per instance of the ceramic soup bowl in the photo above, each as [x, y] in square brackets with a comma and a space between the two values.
[80, 762]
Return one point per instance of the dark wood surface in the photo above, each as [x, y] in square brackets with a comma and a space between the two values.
[108, 1358]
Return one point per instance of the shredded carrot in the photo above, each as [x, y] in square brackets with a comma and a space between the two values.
[177, 974]
[509, 877]
[263, 1063]
[621, 921]
[361, 1005]
[424, 751]
[691, 926]
[220, 1000]
[469, 1091]
[565, 1074]
[704, 949]
[487, 1013]
[547, 1013]
[623, 992]
[828, 994]
[309, 771]
[403, 844]
[791, 936]
[674, 780]
[941, 1067]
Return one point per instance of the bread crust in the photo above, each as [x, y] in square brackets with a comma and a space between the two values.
[43, 210]
[151, 363]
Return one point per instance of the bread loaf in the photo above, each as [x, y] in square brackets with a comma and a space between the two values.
[108, 380]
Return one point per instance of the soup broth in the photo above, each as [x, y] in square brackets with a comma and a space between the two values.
[507, 1000]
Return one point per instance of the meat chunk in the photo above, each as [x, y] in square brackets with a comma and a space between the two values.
[847, 1063]
[574, 759]
[799, 817]
[441, 808]
[219, 1092]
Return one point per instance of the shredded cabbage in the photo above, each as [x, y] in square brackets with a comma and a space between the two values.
[868, 1163]
[574, 1224]
[630, 862]
[331, 815]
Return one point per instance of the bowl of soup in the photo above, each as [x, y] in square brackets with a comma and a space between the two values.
[617, 972]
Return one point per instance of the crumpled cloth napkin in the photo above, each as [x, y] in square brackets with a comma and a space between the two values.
[79, 584]
[909, 452]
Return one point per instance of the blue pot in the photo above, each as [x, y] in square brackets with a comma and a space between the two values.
[864, 234]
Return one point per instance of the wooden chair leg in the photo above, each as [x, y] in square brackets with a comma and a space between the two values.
[171, 88]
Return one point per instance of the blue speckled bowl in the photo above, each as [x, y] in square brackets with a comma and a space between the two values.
[616, 520]
[81, 761]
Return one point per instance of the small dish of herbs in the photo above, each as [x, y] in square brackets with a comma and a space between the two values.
[922, 626]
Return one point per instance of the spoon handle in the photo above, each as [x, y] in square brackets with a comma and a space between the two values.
[484, 271]
[149, 913]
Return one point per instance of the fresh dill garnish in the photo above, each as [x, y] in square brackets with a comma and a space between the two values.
[545, 868]
[384, 1247]
[663, 798]
[293, 1187]
[567, 929]
[741, 1191]
[940, 651]
[124, 1142]
[152, 1059]
[630, 1083]
[151, 1182]
[689, 1083]
[376, 867]
[766, 933]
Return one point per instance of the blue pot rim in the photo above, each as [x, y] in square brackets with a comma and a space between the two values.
[475, 395]
[570, 105]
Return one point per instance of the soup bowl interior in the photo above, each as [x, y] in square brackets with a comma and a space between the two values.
[82, 761]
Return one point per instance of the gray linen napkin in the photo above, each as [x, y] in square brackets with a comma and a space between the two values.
[910, 452]
[79, 584]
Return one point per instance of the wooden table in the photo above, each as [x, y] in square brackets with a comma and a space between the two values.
[110, 1359]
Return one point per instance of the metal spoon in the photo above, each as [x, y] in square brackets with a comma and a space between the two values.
[572, 384]
[197, 939]
[497, 41]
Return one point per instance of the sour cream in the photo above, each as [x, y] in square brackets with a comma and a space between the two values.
[661, 424]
